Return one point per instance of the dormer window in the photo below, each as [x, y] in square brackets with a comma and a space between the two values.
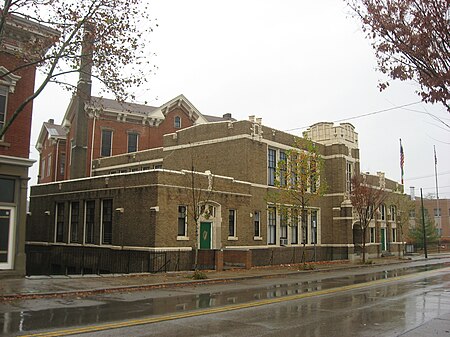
[177, 122]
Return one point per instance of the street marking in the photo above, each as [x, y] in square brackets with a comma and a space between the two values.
[135, 322]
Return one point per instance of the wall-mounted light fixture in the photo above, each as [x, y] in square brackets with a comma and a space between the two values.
[47, 212]
[120, 209]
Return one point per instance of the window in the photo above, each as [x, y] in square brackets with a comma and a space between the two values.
[3, 102]
[132, 142]
[271, 166]
[72, 147]
[74, 220]
[437, 212]
[232, 223]
[7, 187]
[348, 177]
[372, 234]
[43, 168]
[177, 122]
[257, 223]
[305, 227]
[294, 227]
[394, 235]
[383, 212]
[89, 222]
[59, 228]
[62, 164]
[107, 206]
[106, 143]
[313, 226]
[272, 226]
[393, 212]
[49, 165]
[412, 213]
[283, 163]
[182, 221]
[283, 228]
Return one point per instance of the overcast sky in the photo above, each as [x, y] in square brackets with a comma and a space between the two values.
[292, 63]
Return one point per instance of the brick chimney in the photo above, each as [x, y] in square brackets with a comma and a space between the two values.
[78, 166]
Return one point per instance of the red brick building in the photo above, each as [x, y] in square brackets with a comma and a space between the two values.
[16, 85]
[113, 128]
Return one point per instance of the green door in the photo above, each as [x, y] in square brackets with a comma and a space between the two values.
[383, 239]
[205, 235]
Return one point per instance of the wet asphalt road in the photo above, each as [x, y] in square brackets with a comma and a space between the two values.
[377, 309]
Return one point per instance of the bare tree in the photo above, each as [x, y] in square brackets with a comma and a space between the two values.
[198, 196]
[119, 30]
[404, 205]
[366, 199]
[411, 39]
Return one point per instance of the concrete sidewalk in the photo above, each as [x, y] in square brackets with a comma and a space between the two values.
[77, 285]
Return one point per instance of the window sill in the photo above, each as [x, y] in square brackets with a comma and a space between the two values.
[233, 238]
[4, 144]
[257, 238]
[182, 238]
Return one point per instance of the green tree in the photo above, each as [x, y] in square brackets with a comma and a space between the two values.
[298, 181]
[416, 232]
[411, 39]
[118, 30]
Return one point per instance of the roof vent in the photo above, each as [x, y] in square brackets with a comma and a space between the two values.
[227, 116]
[51, 121]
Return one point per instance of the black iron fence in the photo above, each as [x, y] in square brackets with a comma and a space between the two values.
[66, 260]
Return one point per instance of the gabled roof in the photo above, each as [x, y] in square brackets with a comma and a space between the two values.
[182, 102]
[149, 112]
[49, 130]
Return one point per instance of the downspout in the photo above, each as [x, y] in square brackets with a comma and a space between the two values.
[92, 145]
[56, 160]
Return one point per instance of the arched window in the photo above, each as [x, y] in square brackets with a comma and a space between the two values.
[177, 122]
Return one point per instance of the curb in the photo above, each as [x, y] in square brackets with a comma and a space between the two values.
[130, 288]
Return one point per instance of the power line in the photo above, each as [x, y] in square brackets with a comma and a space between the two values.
[363, 115]
[427, 176]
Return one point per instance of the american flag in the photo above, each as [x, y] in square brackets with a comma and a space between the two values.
[402, 159]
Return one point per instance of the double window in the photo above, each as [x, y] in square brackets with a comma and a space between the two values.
[106, 148]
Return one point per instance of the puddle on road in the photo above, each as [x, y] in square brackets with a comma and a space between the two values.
[110, 309]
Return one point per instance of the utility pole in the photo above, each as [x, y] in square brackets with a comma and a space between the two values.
[438, 213]
[423, 226]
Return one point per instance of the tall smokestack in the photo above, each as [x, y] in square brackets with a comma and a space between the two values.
[78, 162]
